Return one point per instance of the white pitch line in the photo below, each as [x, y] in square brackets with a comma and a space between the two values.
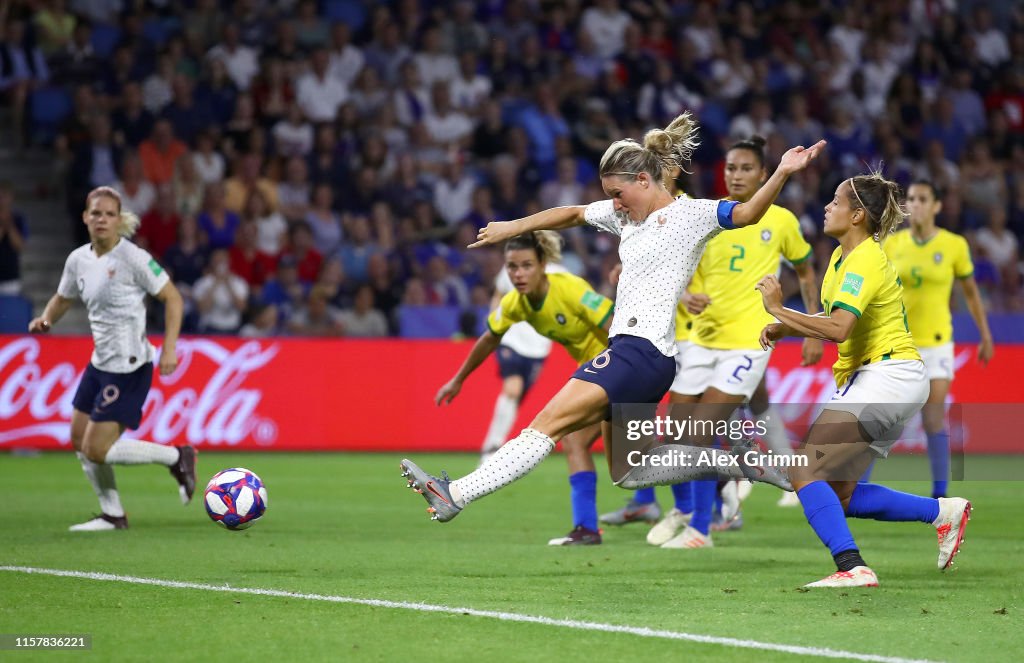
[820, 652]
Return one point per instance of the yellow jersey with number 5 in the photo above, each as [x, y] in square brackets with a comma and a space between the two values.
[729, 270]
[571, 314]
[866, 285]
[927, 270]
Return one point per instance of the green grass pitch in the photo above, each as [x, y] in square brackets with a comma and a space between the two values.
[344, 525]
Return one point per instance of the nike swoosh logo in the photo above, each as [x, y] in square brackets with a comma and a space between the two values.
[430, 487]
[587, 370]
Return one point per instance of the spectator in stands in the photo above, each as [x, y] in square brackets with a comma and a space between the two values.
[316, 317]
[240, 60]
[293, 135]
[323, 221]
[983, 182]
[442, 287]
[217, 224]
[248, 176]
[346, 60]
[319, 94]
[263, 322]
[186, 261]
[357, 248]
[132, 121]
[271, 227]
[285, 290]
[137, 193]
[246, 258]
[364, 320]
[159, 228]
[221, 296]
[23, 69]
[76, 62]
[160, 152]
[453, 193]
[1002, 248]
[13, 231]
[54, 26]
[187, 187]
[300, 247]
[95, 163]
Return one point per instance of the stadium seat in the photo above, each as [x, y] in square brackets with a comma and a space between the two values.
[15, 314]
[48, 107]
[105, 38]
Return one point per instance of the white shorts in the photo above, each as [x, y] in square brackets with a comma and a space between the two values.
[938, 361]
[883, 396]
[736, 372]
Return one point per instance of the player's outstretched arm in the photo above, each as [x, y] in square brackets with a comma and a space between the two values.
[484, 346]
[835, 327]
[794, 160]
[556, 218]
[54, 311]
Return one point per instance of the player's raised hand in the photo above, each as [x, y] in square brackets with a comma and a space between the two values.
[771, 292]
[448, 392]
[39, 326]
[798, 157]
[495, 232]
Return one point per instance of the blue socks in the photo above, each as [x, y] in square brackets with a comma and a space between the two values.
[583, 491]
[871, 500]
[644, 496]
[704, 493]
[825, 514]
[938, 456]
[683, 492]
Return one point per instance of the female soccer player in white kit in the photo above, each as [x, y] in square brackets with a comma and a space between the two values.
[112, 277]
[662, 239]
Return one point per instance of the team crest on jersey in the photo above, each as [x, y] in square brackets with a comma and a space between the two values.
[937, 257]
[560, 318]
[111, 271]
[662, 220]
[766, 235]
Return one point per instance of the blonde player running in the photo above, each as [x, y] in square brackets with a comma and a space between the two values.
[564, 308]
[662, 239]
[112, 276]
[928, 260]
[723, 363]
[881, 383]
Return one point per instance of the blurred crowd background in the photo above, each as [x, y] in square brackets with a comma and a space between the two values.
[317, 168]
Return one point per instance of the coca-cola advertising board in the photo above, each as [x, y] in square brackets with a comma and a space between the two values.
[317, 395]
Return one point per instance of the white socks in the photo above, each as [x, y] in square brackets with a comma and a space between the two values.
[776, 436]
[101, 476]
[512, 461]
[137, 452]
[505, 411]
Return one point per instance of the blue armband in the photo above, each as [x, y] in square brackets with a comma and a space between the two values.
[725, 208]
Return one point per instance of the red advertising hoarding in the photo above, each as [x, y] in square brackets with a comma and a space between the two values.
[311, 394]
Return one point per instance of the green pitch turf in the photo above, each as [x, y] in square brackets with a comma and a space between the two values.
[344, 525]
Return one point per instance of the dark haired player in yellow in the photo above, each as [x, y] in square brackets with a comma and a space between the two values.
[564, 308]
[929, 260]
[881, 383]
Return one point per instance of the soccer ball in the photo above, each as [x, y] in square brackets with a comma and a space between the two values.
[235, 498]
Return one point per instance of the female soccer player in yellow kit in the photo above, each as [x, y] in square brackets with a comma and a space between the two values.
[880, 378]
[564, 308]
[928, 260]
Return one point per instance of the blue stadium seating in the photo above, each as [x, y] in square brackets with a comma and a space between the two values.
[15, 314]
[48, 107]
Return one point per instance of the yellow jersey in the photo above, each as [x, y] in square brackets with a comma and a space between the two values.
[732, 264]
[866, 284]
[571, 314]
[927, 270]
[684, 319]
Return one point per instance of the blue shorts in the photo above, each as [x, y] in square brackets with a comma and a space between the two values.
[114, 396]
[511, 363]
[631, 370]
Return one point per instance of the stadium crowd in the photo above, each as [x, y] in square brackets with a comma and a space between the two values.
[309, 167]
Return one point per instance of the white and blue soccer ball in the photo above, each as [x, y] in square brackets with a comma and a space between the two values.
[235, 498]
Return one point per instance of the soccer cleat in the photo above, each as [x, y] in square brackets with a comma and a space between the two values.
[184, 472]
[670, 525]
[954, 512]
[718, 524]
[101, 523]
[858, 576]
[690, 538]
[757, 470]
[579, 536]
[788, 500]
[632, 513]
[434, 490]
